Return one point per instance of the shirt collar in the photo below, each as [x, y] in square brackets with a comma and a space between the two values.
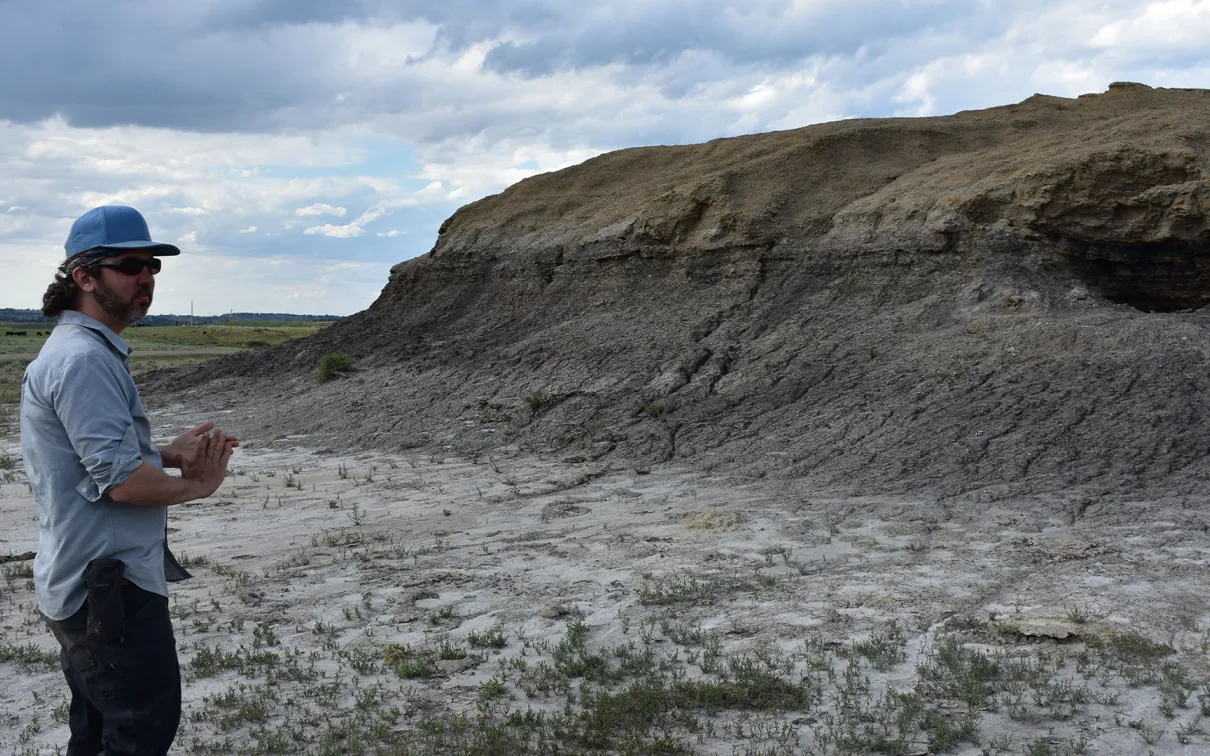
[72, 317]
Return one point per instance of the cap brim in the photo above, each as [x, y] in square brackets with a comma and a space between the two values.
[155, 248]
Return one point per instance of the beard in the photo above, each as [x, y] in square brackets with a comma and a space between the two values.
[124, 311]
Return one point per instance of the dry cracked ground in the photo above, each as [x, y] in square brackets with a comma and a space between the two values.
[505, 604]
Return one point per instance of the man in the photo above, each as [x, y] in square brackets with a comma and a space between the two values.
[103, 563]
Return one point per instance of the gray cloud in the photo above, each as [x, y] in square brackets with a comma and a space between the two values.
[231, 65]
[219, 65]
[273, 66]
[236, 15]
[773, 33]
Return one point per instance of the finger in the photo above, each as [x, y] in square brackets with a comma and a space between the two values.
[203, 446]
[233, 441]
[201, 429]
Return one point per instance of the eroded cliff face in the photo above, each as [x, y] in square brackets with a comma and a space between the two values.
[1000, 301]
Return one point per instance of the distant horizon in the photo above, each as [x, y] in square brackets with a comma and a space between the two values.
[8, 312]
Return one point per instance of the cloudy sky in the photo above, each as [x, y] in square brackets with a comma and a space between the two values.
[296, 149]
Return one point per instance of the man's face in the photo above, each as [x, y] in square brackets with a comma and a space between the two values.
[123, 296]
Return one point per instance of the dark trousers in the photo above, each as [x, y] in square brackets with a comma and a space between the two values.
[125, 696]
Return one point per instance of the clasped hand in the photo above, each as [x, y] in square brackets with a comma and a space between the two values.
[184, 449]
[202, 454]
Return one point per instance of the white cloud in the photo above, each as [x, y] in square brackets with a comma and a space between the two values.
[1160, 26]
[347, 231]
[390, 234]
[319, 208]
[380, 52]
[248, 230]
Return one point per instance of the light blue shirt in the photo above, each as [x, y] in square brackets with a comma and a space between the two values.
[83, 432]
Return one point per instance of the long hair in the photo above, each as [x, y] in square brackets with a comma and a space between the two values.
[62, 292]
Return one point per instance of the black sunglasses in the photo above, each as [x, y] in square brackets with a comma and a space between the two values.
[132, 266]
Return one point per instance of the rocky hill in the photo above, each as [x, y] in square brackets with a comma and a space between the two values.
[990, 303]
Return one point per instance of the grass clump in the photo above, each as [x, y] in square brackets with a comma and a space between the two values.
[957, 673]
[451, 651]
[883, 649]
[691, 590]
[28, 656]
[209, 662]
[18, 571]
[537, 400]
[488, 639]
[409, 663]
[333, 365]
[239, 705]
[1133, 656]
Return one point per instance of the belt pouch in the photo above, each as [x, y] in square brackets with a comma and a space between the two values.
[106, 612]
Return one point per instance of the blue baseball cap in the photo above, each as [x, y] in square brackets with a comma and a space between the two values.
[113, 229]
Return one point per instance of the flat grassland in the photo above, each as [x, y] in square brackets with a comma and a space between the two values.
[154, 347]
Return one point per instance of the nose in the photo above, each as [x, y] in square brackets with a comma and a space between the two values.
[145, 277]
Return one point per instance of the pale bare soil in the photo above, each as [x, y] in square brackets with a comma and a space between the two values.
[333, 594]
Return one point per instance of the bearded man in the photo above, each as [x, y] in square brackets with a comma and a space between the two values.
[103, 562]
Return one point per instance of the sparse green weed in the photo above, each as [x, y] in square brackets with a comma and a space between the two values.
[333, 365]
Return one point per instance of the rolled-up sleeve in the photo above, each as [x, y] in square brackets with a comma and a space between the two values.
[91, 402]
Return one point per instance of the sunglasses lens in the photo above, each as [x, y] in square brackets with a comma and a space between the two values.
[133, 266]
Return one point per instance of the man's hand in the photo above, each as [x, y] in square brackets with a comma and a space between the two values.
[208, 468]
[149, 486]
[184, 448]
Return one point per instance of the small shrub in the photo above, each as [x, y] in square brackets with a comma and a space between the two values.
[17, 571]
[444, 613]
[333, 364]
[1077, 615]
[408, 663]
[490, 638]
[451, 651]
[28, 656]
[884, 650]
[186, 560]
[536, 400]
[654, 410]
[493, 688]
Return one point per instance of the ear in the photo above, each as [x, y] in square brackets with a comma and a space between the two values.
[83, 280]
